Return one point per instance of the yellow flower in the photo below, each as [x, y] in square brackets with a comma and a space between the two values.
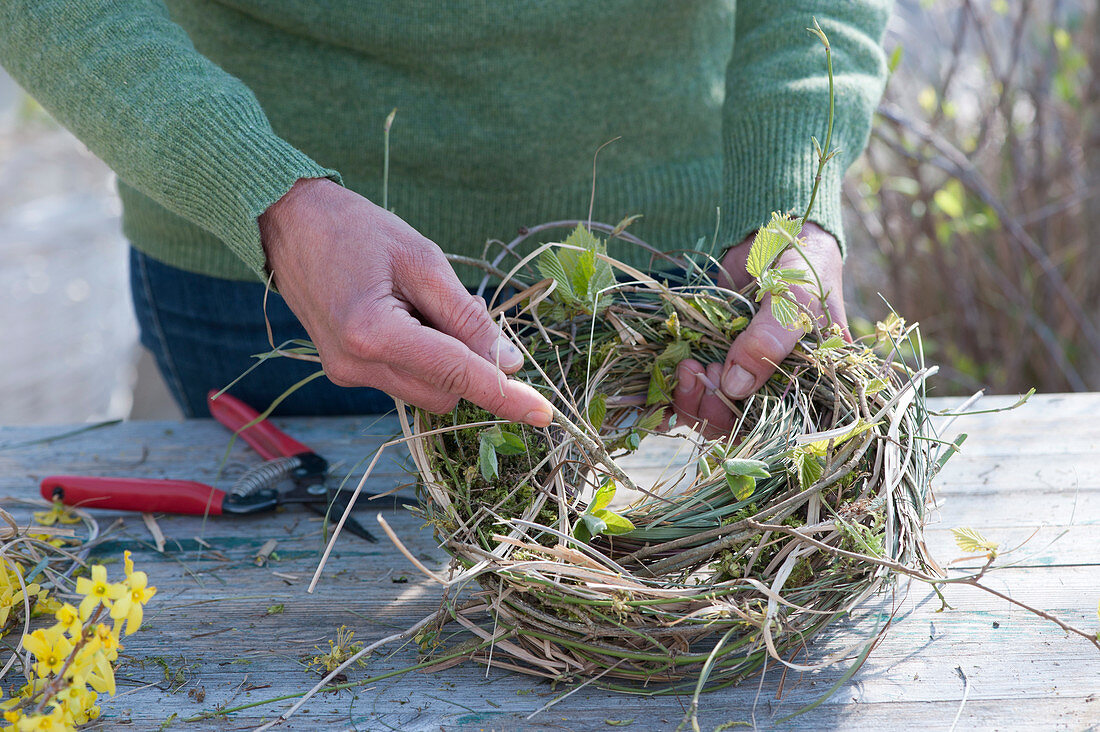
[58, 513]
[127, 563]
[11, 595]
[52, 722]
[47, 539]
[33, 688]
[78, 703]
[101, 675]
[32, 591]
[69, 618]
[46, 518]
[106, 640]
[50, 648]
[45, 605]
[128, 606]
[96, 591]
[83, 664]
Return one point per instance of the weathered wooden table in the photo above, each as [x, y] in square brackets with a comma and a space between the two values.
[223, 632]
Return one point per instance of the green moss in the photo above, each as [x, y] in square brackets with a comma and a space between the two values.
[801, 574]
[726, 567]
[511, 492]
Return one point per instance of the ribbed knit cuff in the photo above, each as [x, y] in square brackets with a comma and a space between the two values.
[770, 164]
[235, 168]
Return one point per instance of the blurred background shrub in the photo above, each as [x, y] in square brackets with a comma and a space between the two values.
[975, 205]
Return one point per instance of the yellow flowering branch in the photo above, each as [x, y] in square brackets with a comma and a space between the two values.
[73, 658]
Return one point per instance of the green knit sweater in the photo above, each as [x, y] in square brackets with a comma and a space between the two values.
[209, 110]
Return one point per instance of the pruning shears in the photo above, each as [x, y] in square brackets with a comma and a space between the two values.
[253, 492]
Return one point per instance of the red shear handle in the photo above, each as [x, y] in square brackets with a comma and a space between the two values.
[134, 494]
[266, 438]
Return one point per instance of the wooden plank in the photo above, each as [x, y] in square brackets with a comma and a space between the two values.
[209, 628]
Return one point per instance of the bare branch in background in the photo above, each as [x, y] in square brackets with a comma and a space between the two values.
[977, 199]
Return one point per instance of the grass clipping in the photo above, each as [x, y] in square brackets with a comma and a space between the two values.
[739, 549]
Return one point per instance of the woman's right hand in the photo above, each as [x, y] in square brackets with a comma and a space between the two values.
[385, 309]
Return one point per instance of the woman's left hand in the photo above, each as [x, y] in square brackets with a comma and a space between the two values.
[763, 345]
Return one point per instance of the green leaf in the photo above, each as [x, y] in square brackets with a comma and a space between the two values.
[510, 444]
[603, 497]
[621, 226]
[551, 266]
[949, 200]
[633, 440]
[794, 276]
[809, 467]
[738, 324]
[856, 431]
[874, 386]
[744, 466]
[581, 532]
[581, 237]
[703, 467]
[493, 435]
[743, 486]
[505, 443]
[766, 246]
[603, 277]
[970, 540]
[487, 459]
[651, 421]
[658, 387]
[895, 58]
[672, 325]
[674, 353]
[832, 342]
[582, 268]
[613, 522]
[770, 241]
[713, 312]
[597, 410]
[593, 523]
[771, 282]
[785, 311]
[588, 274]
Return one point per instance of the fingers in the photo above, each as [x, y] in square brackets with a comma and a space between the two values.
[713, 410]
[765, 343]
[756, 352]
[420, 355]
[688, 391]
[435, 291]
[696, 402]
[409, 389]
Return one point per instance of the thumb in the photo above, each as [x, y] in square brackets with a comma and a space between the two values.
[433, 288]
[757, 352]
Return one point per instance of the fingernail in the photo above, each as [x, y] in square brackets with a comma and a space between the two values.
[737, 382]
[506, 355]
[685, 379]
[540, 417]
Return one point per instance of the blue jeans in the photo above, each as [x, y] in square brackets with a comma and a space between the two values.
[204, 332]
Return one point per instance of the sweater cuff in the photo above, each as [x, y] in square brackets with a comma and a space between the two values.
[770, 164]
[239, 168]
